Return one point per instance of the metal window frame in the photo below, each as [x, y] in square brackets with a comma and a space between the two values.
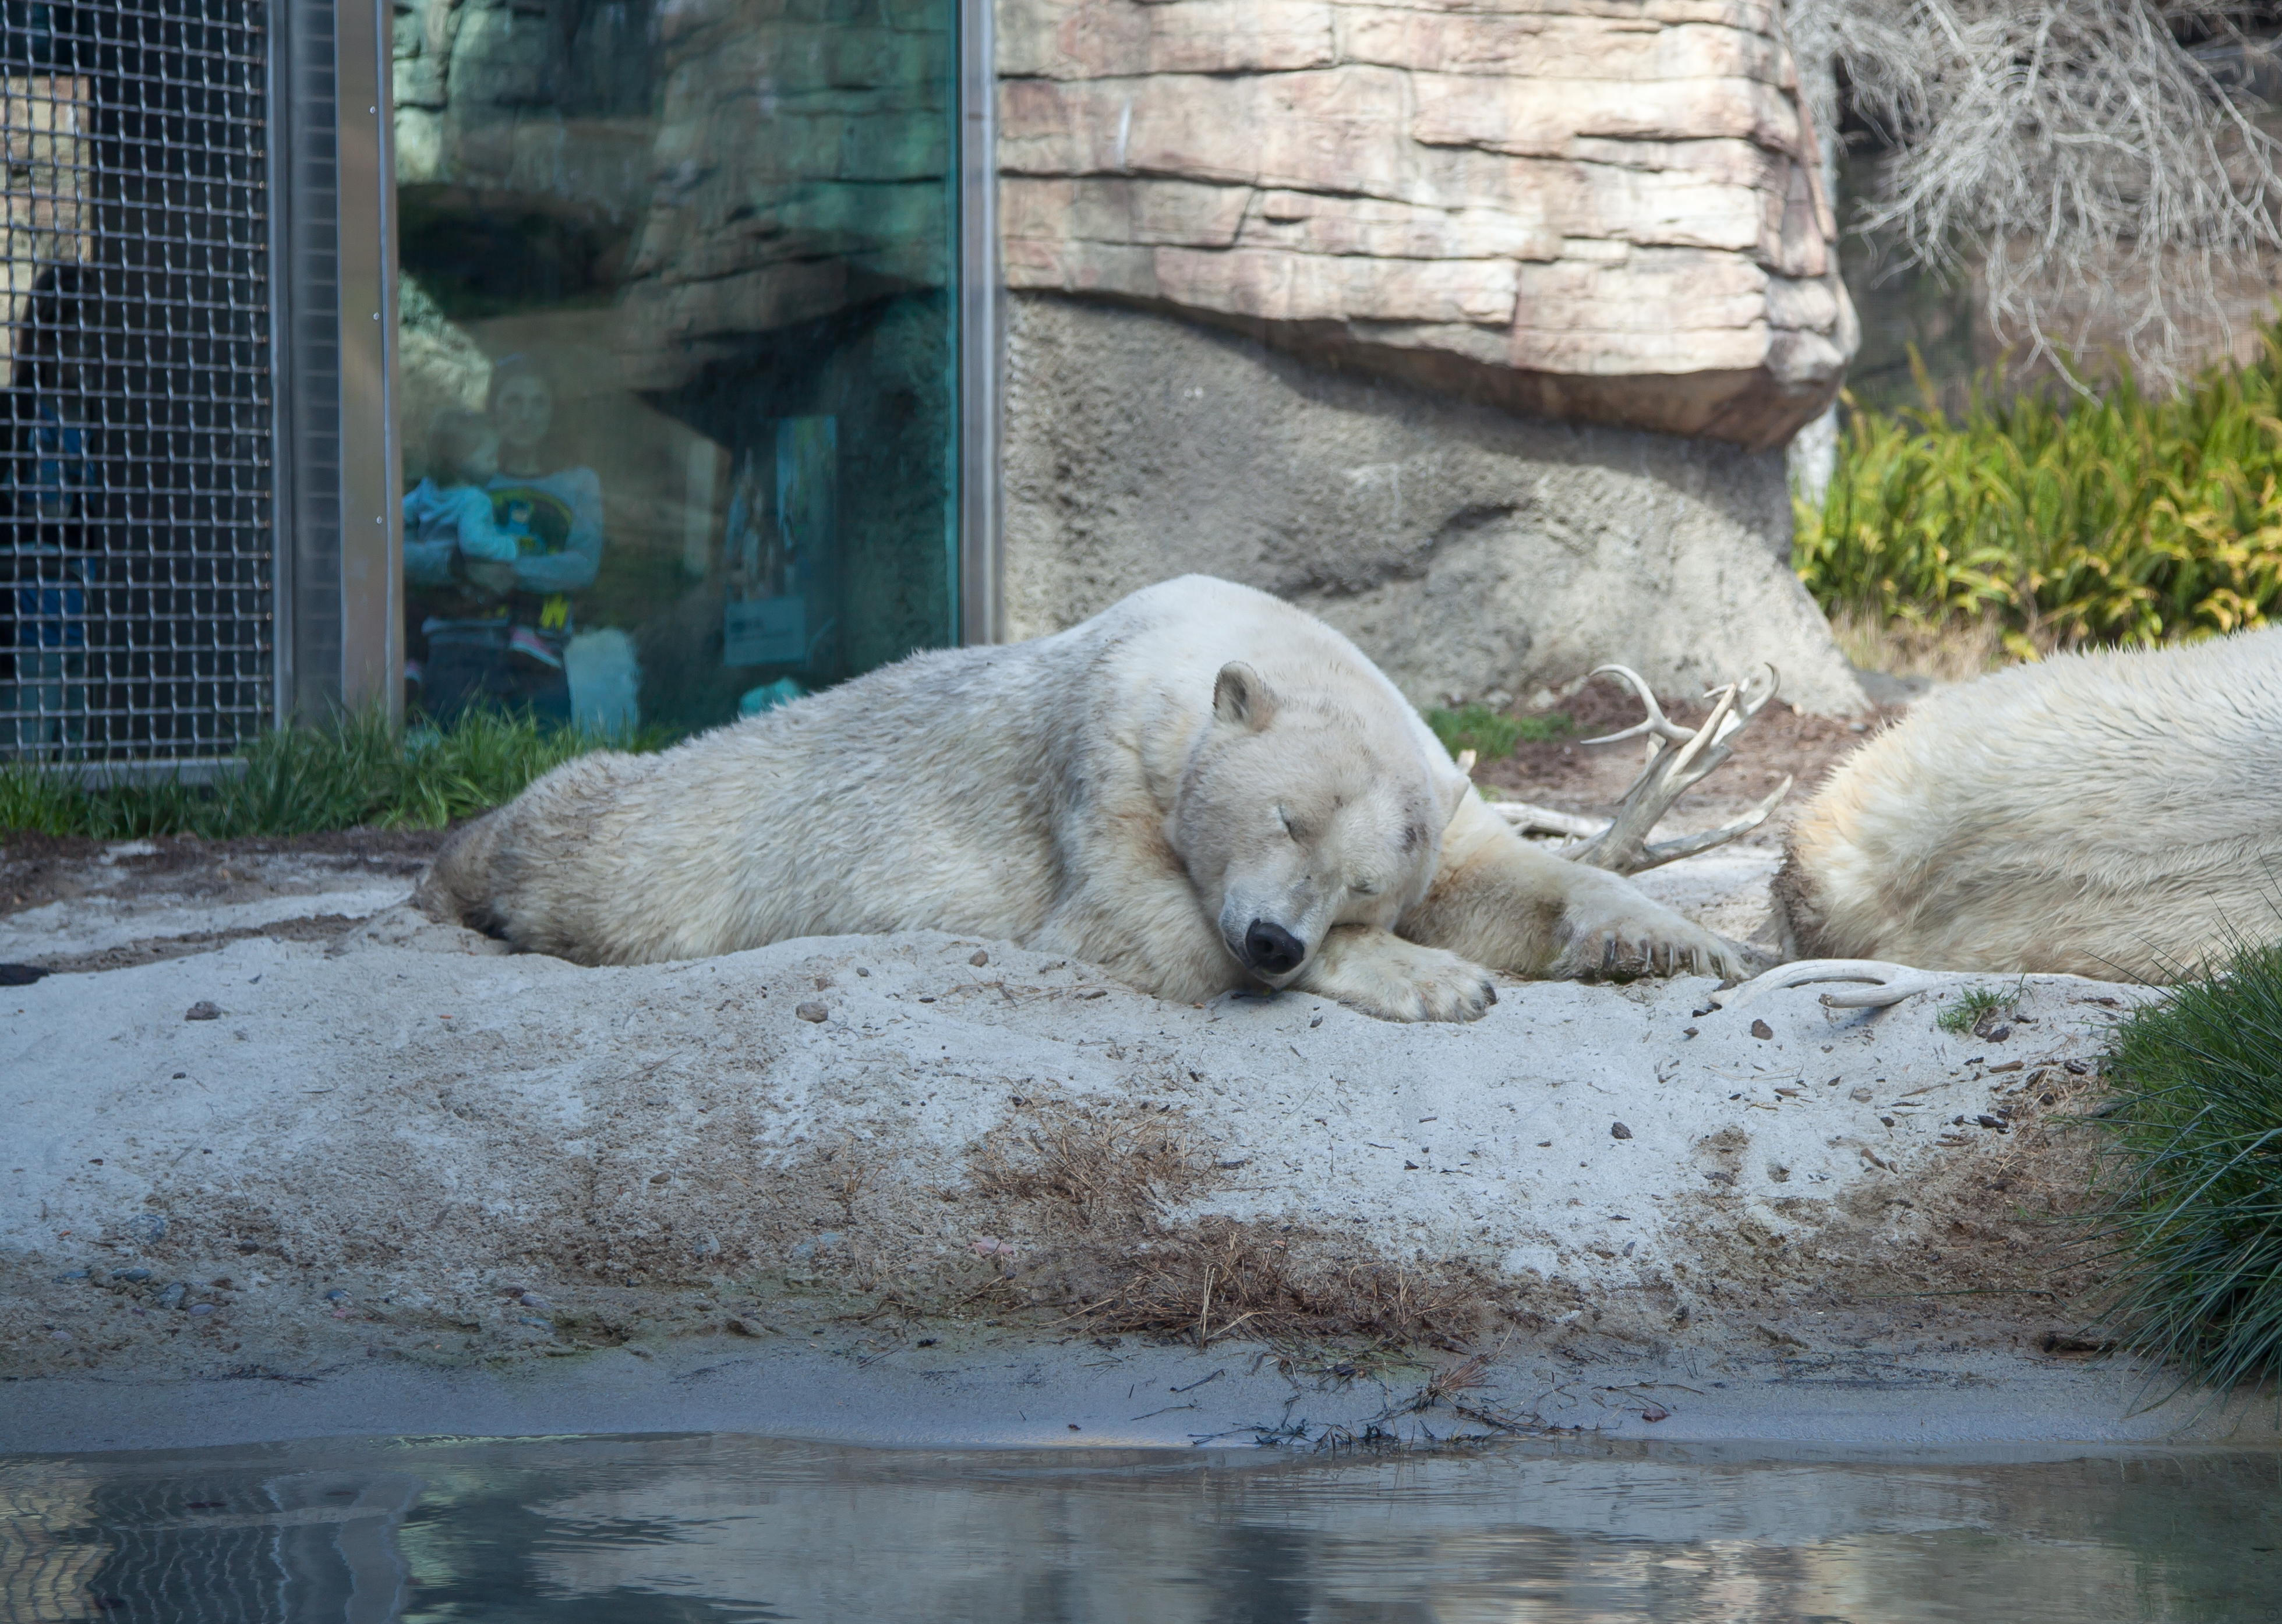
[372, 479]
[337, 478]
[980, 332]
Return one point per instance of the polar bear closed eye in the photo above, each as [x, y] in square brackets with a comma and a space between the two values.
[1200, 788]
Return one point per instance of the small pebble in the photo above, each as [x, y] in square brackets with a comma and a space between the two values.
[544, 1325]
[202, 1010]
[980, 959]
[59, 1336]
[1618, 1130]
[66, 1279]
[1861, 1097]
[201, 1308]
[173, 1295]
[812, 1010]
[2075, 1068]
[1762, 1030]
[336, 1295]
[532, 1300]
[131, 1274]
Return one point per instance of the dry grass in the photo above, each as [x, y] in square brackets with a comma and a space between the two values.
[1100, 1172]
[1222, 1278]
[1951, 652]
[1095, 1193]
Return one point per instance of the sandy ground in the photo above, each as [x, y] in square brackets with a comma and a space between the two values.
[917, 1186]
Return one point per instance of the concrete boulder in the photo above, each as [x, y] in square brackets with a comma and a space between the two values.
[1467, 550]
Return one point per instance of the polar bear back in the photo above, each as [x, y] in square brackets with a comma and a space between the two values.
[2105, 813]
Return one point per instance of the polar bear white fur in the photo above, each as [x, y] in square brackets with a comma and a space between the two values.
[1199, 787]
[2116, 813]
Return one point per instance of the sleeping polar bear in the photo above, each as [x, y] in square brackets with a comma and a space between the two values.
[1200, 788]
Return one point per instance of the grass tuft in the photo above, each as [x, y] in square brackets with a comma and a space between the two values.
[356, 771]
[1491, 735]
[2196, 1220]
[1976, 1008]
[2050, 519]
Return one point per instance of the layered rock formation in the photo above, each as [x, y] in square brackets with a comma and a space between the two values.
[1602, 209]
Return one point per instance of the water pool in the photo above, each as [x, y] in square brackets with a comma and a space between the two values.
[715, 1527]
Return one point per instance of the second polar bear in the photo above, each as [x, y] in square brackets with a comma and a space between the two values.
[1200, 788]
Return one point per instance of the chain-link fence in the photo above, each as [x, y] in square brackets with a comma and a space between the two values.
[136, 483]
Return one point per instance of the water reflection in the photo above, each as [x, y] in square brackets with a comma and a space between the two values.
[737, 1528]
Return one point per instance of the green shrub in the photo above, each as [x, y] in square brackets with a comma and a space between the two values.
[2196, 1220]
[357, 771]
[2069, 519]
[1491, 735]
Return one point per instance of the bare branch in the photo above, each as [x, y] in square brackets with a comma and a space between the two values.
[2100, 175]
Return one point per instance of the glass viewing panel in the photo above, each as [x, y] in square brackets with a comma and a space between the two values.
[676, 350]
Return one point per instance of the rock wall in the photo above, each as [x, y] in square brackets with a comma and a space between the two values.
[1468, 550]
[1608, 210]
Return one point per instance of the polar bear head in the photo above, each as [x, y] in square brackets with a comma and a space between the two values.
[1302, 811]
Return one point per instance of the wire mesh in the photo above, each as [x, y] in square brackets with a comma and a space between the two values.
[135, 472]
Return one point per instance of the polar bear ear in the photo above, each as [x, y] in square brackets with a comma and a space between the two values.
[1241, 699]
[1455, 792]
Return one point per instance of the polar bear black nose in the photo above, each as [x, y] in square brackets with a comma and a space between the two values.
[1271, 949]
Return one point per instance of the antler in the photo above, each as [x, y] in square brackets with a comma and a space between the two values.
[1678, 760]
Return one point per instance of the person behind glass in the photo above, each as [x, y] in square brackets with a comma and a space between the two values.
[449, 534]
[500, 641]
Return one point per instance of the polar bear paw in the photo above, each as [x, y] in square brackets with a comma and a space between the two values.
[1380, 974]
[1644, 939]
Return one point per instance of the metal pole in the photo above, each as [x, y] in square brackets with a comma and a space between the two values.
[981, 331]
[372, 505]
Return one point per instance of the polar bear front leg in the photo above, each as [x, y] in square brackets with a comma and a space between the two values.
[1379, 973]
[1505, 903]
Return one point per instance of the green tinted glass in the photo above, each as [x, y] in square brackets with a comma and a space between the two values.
[676, 350]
